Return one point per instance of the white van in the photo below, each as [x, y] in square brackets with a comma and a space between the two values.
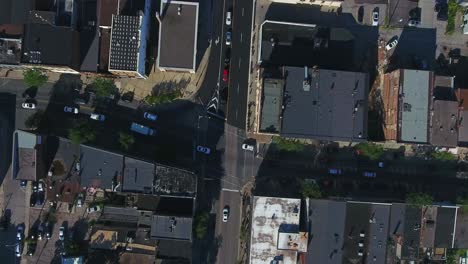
[228, 18]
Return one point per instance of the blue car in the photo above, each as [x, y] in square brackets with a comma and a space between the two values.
[334, 171]
[150, 116]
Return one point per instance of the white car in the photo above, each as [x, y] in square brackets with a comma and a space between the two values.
[28, 105]
[19, 233]
[18, 250]
[203, 150]
[228, 18]
[225, 214]
[391, 44]
[413, 23]
[62, 233]
[247, 147]
[40, 187]
[375, 18]
[97, 117]
[228, 38]
[93, 209]
[69, 109]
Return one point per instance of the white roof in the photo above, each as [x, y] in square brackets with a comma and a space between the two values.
[271, 215]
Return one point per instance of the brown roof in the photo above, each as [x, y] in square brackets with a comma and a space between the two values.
[390, 104]
[462, 96]
[11, 30]
[134, 258]
[107, 8]
[104, 47]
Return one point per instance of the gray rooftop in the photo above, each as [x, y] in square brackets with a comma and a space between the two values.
[414, 105]
[178, 35]
[334, 107]
[119, 214]
[444, 123]
[380, 214]
[327, 219]
[272, 102]
[356, 231]
[173, 181]
[411, 233]
[171, 228]
[100, 168]
[15, 11]
[25, 156]
[138, 176]
[125, 42]
[445, 226]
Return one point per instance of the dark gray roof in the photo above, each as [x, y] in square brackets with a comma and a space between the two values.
[119, 214]
[171, 228]
[300, 44]
[445, 227]
[414, 105]
[15, 11]
[357, 223]
[172, 181]
[411, 234]
[44, 44]
[89, 37]
[444, 123]
[272, 101]
[327, 219]
[100, 168]
[138, 176]
[178, 35]
[125, 42]
[325, 110]
[173, 249]
[380, 214]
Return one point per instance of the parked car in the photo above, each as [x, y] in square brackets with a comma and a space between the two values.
[19, 233]
[375, 18]
[33, 199]
[203, 150]
[80, 101]
[228, 37]
[48, 230]
[31, 248]
[40, 186]
[18, 249]
[227, 56]
[34, 186]
[141, 129]
[70, 109]
[247, 147]
[150, 116]
[369, 174]
[40, 198]
[334, 171]
[79, 200]
[29, 105]
[391, 44]
[228, 18]
[40, 231]
[225, 75]
[225, 214]
[93, 209]
[97, 117]
[413, 23]
[62, 233]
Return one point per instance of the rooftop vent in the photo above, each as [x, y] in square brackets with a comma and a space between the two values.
[179, 10]
[306, 82]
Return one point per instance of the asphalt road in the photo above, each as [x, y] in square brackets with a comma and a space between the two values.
[240, 59]
[229, 231]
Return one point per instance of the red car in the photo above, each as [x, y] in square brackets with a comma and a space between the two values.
[225, 75]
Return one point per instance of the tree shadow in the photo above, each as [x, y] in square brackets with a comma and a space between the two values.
[31, 92]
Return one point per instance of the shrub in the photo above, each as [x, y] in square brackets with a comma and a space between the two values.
[35, 77]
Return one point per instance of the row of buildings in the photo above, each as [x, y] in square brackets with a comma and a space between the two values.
[99, 36]
[312, 231]
[312, 88]
[156, 203]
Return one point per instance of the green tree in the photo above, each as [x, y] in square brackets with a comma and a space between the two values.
[310, 190]
[370, 150]
[104, 87]
[419, 199]
[34, 120]
[72, 248]
[81, 133]
[463, 202]
[35, 77]
[201, 224]
[162, 98]
[289, 145]
[126, 140]
[443, 155]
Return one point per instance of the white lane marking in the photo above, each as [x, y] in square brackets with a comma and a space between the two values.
[229, 190]
[239, 62]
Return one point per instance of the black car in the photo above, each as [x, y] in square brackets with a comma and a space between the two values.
[33, 199]
[34, 187]
[23, 183]
[48, 230]
[31, 248]
[40, 198]
[227, 56]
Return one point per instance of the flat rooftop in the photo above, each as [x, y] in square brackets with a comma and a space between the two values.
[25, 156]
[444, 123]
[414, 105]
[178, 35]
[331, 105]
[171, 227]
[272, 102]
[138, 176]
[125, 42]
[100, 168]
[270, 216]
[10, 51]
[173, 181]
